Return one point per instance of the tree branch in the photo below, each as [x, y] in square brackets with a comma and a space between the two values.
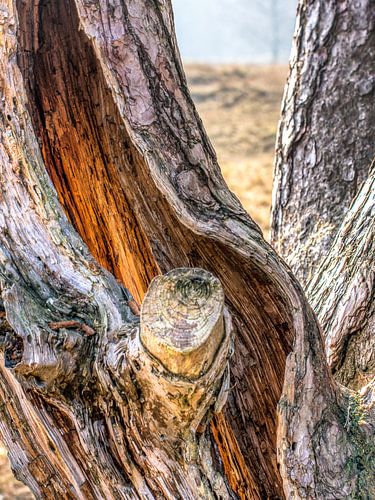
[342, 293]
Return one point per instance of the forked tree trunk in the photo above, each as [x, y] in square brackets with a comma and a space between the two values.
[100, 402]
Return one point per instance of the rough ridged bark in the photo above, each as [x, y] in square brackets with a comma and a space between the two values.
[326, 134]
[326, 432]
[105, 414]
[106, 111]
[342, 293]
[157, 151]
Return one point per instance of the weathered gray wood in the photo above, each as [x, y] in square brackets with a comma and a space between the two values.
[342, 293]
[82, 381]
[78, 397]
[155, 193]
[326, 136]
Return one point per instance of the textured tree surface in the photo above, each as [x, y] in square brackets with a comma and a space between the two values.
[218, 386]
[326, 134]
[323, 224]
[326, 432]
[342, 293]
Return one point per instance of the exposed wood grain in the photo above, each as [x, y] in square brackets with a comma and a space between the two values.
[342, 293]
[176, 191]
[120, 137]
[77, 398]
[182, 322]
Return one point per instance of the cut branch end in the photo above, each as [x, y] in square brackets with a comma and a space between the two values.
[182, 321]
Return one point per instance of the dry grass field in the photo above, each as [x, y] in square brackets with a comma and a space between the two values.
[239, 106]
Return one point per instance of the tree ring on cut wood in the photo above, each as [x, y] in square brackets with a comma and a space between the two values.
[182, 320]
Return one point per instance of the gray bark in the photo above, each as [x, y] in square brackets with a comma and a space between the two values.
[326, 134]
[326, 432]
[139, 129]
[342, 293]
[106, 414]
[96, 405]
[149, 188]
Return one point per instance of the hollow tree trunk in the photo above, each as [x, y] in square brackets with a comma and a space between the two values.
[102, 403]
[147, 195]
[173, 207]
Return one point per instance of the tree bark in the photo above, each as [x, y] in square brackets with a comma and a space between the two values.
[173, 206]
[94, 93]
[137, 132]
[326, 133]
[326, 432]
[107, 414]
[342, 293]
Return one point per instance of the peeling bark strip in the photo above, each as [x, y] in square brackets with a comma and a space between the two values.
[73, 324]
[326, 136]
[342, 293]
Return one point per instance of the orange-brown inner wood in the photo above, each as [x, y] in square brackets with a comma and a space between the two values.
[104, 184]
[84, 144]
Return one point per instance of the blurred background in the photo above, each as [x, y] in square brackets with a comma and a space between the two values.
[235, 31]
[235, 54]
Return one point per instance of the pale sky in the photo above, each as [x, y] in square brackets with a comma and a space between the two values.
[258, 31]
